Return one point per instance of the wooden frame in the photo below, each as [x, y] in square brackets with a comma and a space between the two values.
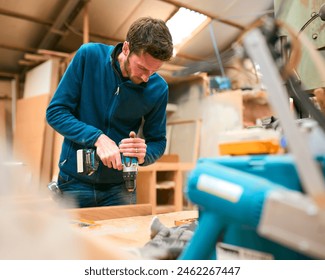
[196, 136]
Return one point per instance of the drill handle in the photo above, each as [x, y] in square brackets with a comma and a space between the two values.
[132, 134]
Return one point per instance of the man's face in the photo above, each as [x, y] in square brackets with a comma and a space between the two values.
[140, 67]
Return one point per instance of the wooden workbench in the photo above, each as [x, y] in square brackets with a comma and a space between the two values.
[134, 232]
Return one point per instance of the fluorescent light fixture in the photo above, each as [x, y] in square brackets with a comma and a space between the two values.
[183, 23]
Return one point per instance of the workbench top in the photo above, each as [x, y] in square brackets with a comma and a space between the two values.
[134, 232]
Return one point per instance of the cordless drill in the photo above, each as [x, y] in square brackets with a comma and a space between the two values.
[88, 161]
[130, 170]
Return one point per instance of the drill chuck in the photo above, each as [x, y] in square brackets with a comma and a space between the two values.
[130, 171]
[130, 180]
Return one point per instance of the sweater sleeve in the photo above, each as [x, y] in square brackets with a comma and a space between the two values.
[154, 130]
[62, 111]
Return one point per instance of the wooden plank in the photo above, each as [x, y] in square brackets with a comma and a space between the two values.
[36, 57]
[3, 130]
[29, 133]
[188, 127]
[40, 79]
[169, 158]
[53, 53]
[145, 188]
[135, 231]
[47, 153]
[163, 209]
[110, 212]
[160, 166]
[86, 23]
[27, 62]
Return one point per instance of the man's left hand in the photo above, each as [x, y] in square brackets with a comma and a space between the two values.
[134, 147]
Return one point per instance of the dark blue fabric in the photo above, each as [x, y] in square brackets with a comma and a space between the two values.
[93, 98]
[78, 194]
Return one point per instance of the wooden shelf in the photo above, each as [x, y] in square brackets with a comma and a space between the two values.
[150, 176]
[161, 209]
[167, 166]
[165, 185]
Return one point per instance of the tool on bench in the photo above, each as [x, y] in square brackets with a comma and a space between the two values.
[130, 169]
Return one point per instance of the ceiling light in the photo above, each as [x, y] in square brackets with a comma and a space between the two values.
[183, 24]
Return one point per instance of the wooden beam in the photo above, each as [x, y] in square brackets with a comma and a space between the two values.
[66, 15]
[24, 17]
[36, 57]
[27, 62]
[86, 23]
[8, 75]
[53, 53]
[17, 48]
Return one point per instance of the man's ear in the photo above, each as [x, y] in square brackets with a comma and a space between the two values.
[125, 48]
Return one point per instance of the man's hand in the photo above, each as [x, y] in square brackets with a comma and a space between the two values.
[108, 152]
[134, 147]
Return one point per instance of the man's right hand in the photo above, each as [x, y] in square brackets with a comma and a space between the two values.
[108, 152]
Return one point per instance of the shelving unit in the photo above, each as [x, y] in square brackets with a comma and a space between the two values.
[165, 179]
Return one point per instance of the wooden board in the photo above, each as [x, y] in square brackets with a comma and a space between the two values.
[29, 134]
[48, 144]
[185, 132]
[222, 112]
[135, 231]
[40, 78]
[110, 212]
[3, 133]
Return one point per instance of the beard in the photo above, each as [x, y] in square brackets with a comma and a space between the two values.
[134, 79]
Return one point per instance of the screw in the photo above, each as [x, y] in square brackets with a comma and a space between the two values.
[315, 36]
[313, 14]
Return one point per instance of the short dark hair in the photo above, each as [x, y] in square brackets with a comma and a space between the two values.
[151, 36]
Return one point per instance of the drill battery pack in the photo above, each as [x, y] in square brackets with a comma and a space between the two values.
[87, 161]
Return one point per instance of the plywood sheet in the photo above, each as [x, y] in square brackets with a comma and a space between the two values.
[222, 112]
[2, 122]
[39, 79]
[110, 212]
[29, 135]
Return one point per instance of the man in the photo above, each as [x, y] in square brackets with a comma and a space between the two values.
[105, 93]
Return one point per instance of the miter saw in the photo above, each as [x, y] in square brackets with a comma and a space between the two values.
[271, 204]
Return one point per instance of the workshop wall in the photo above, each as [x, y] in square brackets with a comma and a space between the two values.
[219, 112]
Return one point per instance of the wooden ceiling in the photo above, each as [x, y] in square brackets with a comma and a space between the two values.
[28, 26]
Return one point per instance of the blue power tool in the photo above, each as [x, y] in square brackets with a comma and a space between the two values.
[130, 169]
[239, 205]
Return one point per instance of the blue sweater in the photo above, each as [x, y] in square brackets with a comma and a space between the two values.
[93, 98]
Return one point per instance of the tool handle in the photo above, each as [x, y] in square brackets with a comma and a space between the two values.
[132, 134]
